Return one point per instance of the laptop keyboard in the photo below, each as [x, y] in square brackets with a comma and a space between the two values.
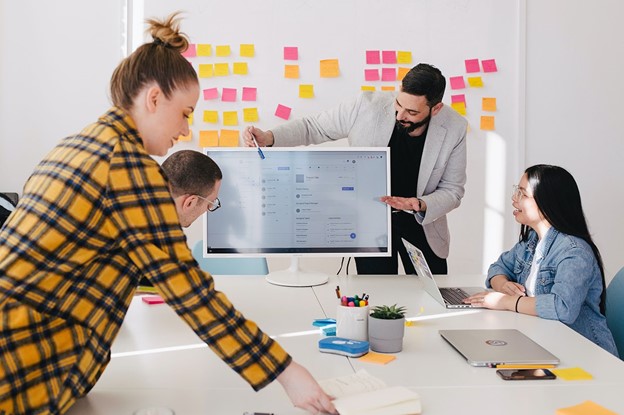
[453, 295]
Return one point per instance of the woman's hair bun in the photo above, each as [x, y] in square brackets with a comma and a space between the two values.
[167, 32]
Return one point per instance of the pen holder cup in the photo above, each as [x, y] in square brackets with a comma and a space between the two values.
[352, 323]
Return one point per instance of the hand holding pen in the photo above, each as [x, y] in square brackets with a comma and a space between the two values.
[255, 137]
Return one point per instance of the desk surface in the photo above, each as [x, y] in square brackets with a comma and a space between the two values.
[158, 361]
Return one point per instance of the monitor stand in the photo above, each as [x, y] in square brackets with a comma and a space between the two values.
[296, 277]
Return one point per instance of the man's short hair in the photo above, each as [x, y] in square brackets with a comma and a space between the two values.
[191, 172]
[425, 80]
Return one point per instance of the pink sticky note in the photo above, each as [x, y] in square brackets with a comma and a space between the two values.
[211, 93]
[388, 74]
[458, 98]
[283, 111]
[371, 74]
[457, 82]
[291, 53]
[191, 51]
[489, 65]
[228, 95]
[372, 57]
[389, 56]
[472, 65]
[249, 94]
[152, 299]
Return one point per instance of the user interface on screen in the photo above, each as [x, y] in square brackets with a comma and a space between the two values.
[301, 200]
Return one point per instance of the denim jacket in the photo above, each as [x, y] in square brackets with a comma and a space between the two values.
[568, 285]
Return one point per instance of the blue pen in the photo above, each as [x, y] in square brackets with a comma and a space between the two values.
[260, 153]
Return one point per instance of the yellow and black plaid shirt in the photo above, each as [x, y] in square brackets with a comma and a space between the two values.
[95, 216]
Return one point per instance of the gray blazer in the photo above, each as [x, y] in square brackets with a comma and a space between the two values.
[369, 121]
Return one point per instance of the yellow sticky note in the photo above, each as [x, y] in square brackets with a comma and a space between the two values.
[306, 91]
[247, 50]
[191, 118]
[572, 373]
[223, 50]
[488, 104]
[230, 118]
[209, 138]
[240, 68]
[401, 73]
[585, 408]
[228, 138]
[204, 49]
[487, 122]
[187, 137]
[221, 69]
[367, 88]
[250, 115]
[475, 81]
[377, 358]
[459, 107]
[211, 116]
[404, 56]
[206, 70]
[291, 71]
[329, 68]
[387, 88]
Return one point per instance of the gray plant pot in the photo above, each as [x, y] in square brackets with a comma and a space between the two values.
[386, 336]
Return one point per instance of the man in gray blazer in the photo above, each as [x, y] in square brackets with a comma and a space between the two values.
[427, 143]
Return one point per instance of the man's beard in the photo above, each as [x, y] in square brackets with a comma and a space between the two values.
[410, 127]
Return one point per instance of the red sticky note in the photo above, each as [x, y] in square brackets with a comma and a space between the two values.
[457, 82]
[389, 56]
[472, 65]
[152, 299]
[388, 74]
[372, 57]
[249, 94]
[291, 53]
[191, 51]
[371, 74]
[228, 95]
[489, 65]
[211, 93]
[283, 111]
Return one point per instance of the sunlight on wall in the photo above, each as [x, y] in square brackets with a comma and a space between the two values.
[495, 198]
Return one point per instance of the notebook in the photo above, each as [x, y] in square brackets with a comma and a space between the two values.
[492, 347]
[450, 297]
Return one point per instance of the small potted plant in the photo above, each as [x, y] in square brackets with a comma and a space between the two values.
[386, 327]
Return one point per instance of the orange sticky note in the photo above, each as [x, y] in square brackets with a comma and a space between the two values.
[402, 73]
[208, 138]
[377, 358]
[291, 71]
[572, 373]
[221, 69]
[247, 50]
[223, 50]
[250, 114]
[388, 88]
[488, 104]
[459, 106]
[585, 408]
[205, 70]
[306, 91]
[230, 118]
[187, 137]
[204, 49]
[240, 68]
[211, 116]
[487, 122]
[329, 68]
[367, 88]
[475, 81]
[228, 138]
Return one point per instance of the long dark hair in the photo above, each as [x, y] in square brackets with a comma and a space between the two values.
[558, 198]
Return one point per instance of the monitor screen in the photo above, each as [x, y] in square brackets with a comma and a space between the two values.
[321, 201]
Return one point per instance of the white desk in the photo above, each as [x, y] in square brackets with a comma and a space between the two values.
[194, 381]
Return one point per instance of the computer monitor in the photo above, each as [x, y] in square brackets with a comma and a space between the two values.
[300, 201]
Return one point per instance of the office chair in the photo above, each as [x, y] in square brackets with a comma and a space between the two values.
[230, 266]
[615, 310]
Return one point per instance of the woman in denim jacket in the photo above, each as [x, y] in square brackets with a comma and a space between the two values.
[555, 271]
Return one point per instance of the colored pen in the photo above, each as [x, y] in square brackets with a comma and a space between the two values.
[527, 366]
[260, 153]
[337, 291]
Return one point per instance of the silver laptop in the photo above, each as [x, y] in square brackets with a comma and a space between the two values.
[450, 297]
[492, 347]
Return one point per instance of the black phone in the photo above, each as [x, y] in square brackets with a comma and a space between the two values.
[525, 374]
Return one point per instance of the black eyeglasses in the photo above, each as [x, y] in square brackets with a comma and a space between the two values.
[212, 204]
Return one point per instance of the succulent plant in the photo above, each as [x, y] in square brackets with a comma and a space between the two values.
[386, 312]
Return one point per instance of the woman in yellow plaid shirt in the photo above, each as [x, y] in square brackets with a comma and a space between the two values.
[95, 216]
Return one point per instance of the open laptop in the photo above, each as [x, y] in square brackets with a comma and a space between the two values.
[450, 297]
[492, 347]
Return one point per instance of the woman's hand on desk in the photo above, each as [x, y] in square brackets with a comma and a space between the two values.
[492, 300]
[304, 392]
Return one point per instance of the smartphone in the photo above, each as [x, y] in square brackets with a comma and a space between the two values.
[525, 374]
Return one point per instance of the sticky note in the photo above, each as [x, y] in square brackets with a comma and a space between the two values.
[475, 81]
[367, 88]
[487, 122]
[291, 53]
[204, 49]
[211, 93]
[388, 56]
[291, 71]
[228, 95]
[402, 72]
[247, 50]
[228, 138]
[187, 137]
[329, 68]
[206, 70]
[388, 88]
[457, 82]
[572, 373]
[373, 57]
[191, 51]
[377, 358]
[240, 68]
[152, 299]
[458, 98]
[371, 74]
[488, 104]
[585, 408]
[191, 118]
[489, 65]
[249, 93]
[208, 138]
[388, 74]
[404, 56]
[221, 69]
[230, 118]
[283, 111]
[306, 91]
[223, 50]
[250, 115]
[472, 65]
[459, 107]
[211, 116]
